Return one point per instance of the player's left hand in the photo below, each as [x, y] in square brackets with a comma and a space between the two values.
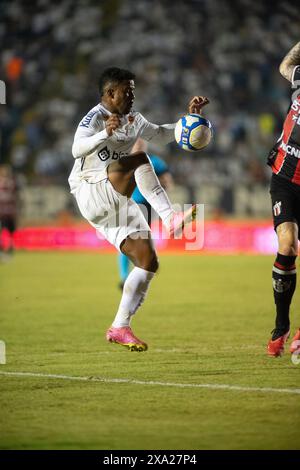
[196, 104]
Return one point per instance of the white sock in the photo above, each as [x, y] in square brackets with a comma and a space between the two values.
[153, 192]
[134, 292]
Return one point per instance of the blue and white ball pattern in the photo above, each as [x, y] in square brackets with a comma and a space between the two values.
[193, 132]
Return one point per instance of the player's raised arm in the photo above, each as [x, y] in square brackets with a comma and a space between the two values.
[86, 142]
[88, 138]
[291, 60]
[164, 133]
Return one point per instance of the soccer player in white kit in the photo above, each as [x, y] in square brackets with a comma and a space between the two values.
[103, 178]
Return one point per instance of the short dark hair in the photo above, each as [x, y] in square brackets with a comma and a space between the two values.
[115, 75]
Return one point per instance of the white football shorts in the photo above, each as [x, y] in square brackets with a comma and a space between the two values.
[113, 215]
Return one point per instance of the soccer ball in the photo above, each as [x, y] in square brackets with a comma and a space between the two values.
[193, 132]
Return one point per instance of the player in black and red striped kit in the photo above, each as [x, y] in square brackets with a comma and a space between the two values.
[284, 160]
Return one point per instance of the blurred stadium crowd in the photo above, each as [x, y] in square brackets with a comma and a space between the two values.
[228, 50]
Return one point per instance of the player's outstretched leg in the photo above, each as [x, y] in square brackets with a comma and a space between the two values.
[284, 284]
[142, 254]
[137, 170]
[154, 193]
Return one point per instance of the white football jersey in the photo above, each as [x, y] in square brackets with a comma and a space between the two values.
[93, 149]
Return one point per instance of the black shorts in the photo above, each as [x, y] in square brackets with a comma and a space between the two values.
[285, 201]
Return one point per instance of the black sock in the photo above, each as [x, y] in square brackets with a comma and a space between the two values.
[284, 284]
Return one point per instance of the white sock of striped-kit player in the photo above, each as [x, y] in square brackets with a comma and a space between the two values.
[284, 284]
[134, 292]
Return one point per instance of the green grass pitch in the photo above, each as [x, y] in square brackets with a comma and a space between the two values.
[206, 319]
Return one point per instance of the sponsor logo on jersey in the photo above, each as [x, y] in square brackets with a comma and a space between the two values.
[290, 150]
[104, 154]
[296, 119]
[296, 105]
[87, 119]
[277, 208]
[295, 94]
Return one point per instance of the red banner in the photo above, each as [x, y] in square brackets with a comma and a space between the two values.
[219, 237]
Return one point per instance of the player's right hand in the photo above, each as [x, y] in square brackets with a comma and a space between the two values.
[112, 123]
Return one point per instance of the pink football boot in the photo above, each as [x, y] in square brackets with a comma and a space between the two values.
[125, 337]
[180, 221]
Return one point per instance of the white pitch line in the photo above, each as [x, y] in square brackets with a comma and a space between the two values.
[117, 351]
[237, 388]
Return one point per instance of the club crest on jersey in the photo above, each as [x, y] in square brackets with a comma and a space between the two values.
[277, 208]
[281, 286]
